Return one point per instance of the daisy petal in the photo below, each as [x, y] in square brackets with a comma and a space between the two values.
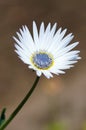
[35, 33]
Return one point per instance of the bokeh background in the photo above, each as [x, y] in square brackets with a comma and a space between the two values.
[58, 103]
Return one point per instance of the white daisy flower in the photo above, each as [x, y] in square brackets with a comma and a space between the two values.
[48, 51]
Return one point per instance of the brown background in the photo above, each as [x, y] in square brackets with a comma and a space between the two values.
[61, 99]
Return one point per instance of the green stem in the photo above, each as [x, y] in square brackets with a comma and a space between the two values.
[19, 106]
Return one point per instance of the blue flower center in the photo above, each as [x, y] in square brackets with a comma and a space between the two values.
[42, 60]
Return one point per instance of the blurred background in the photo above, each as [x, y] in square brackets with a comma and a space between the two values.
[58, 103]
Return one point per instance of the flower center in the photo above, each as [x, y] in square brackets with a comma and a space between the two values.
[42, 60]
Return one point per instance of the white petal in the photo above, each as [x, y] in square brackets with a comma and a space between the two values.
[38, 72]
[24, 41]
[28, 35]
[48, 28]
[53, 29]
[35, 33]
[43, 42]
[49, 37]
[72, 53]
[55, 69]
[22, 50]
[62, 34]
[41, 31]
[47, 74]
[65, 41]
[56, 36]
[66, 49]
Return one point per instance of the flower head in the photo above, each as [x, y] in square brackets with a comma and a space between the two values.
[47, 51]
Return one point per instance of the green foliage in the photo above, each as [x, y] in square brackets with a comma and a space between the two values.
[84, 126]
[2, 116]
[56, 126]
